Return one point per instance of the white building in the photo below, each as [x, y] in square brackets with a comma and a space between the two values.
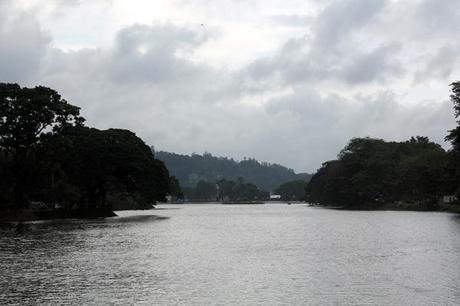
[448, 199]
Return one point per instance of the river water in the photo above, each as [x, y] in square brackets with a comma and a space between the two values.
[273, 254]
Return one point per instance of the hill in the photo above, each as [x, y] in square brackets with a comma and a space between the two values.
[190, 169]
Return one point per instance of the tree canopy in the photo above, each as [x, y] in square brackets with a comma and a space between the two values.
[292, 191]
[27, 117]
[26, 114]
[189, 170]
[47, 154]
[454, 135]
[115, 160]
[371, 172]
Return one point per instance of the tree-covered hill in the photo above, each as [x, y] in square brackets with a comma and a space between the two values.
[191, 169]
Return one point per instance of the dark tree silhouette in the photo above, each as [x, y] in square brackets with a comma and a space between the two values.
[371, 172]
[205, 191]
[27, 116]
[454, 135]
[292, 191]
[115, 160]
[175, 189]
[46, 154]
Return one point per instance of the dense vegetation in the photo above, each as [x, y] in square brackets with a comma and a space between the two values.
[225, 191]
[454, 136]
[189, 170]
[372, 173]
[292, 191]
[48, 155]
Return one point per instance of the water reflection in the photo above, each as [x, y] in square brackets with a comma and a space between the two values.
[235, 255]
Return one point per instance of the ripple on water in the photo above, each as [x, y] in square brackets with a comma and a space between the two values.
[235, 255]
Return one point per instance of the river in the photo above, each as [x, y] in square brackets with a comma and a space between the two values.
[273, 254]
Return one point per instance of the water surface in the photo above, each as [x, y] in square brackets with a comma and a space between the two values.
[235, 255]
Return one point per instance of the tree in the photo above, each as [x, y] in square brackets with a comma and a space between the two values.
[292, 191]
[371, 172]
[454, 135]
[27, 116]
[175, 189]
[115, 160]
[226, 188]
[205, 191]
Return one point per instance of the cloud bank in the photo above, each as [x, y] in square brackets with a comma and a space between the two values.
[283, 81]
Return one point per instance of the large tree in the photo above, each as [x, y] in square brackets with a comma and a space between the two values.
[371, 172]
[292, 190]
[454, 135]
[114, 160]
[27, 116]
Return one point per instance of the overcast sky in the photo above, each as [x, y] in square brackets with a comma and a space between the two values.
[283, 81]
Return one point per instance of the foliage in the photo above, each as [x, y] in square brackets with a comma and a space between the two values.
[27, 117]
[292, 191]
[27, 114]
[46, 154]
[205, 191]
[371, 172]
[116, 160]
[175, 188]
[224, 191]
[189, 170]
[454, 135]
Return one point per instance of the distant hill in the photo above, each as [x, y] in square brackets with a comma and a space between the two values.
[191, 169]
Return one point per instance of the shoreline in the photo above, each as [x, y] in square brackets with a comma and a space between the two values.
[27, 215]
[442, 208]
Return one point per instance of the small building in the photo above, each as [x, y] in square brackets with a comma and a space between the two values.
[275, 197]
[448, 199]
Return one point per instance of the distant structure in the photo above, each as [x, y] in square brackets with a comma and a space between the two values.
[449, 199]
[275, 197]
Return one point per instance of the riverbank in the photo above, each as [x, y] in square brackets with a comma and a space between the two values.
[49, 214]
[402, 206]
[242, 203]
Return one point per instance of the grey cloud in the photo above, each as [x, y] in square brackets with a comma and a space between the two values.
[296, 64]
[439, 17]
[23, 45]
[306, 102]
[323, 124]
[148, 83]
[441, 64]
[331, 52]
[150, 54]
[338, 20]
[166, 37]
[375, 65]
[293, 63]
